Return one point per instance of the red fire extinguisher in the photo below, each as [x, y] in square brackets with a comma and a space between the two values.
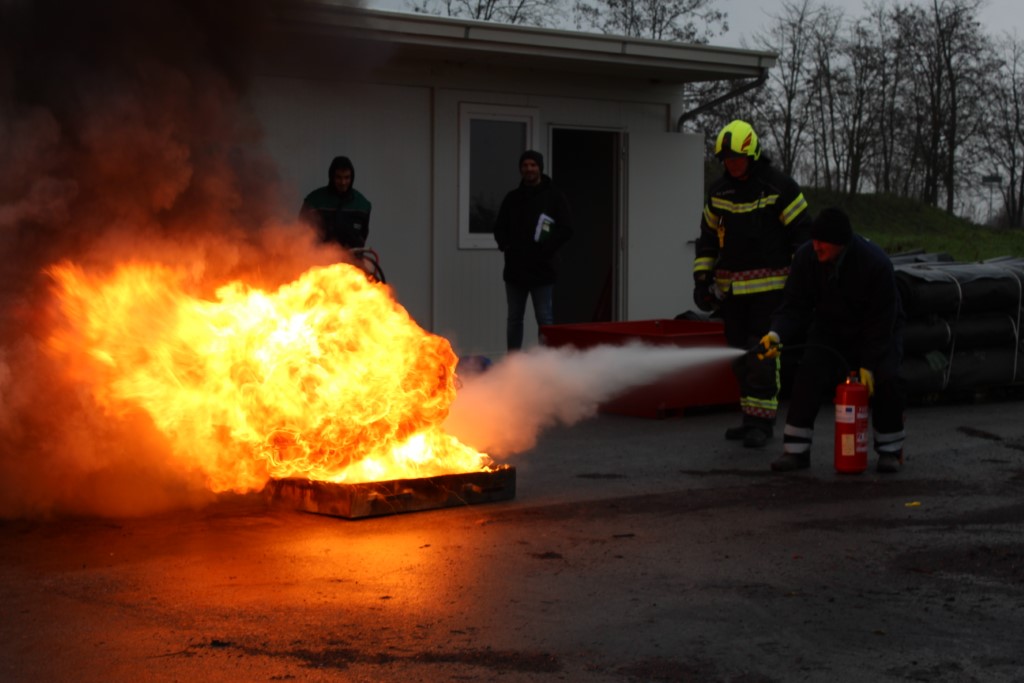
[851, 452]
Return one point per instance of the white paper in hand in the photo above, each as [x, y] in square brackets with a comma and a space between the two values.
[543, 230]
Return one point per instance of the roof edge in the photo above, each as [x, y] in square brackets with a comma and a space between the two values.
[429, 30]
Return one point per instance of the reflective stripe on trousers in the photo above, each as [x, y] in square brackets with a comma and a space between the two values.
[796, 440]
[891, 442]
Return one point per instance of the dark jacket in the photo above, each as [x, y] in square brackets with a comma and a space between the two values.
[750, 229]
[853, 304]
[340, 218]
[530, 262]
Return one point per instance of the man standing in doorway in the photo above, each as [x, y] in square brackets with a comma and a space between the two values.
[533, 223]
[754, 219]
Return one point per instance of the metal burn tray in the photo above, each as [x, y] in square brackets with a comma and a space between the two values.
[374, 499]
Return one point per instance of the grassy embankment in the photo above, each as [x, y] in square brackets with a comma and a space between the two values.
[901, 225]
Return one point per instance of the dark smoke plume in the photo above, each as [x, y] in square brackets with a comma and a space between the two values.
[124, 134]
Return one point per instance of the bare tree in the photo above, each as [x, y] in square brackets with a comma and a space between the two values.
[1003, 138]
[963, 51]
[530, 12]
[949, 57]
[689, 21]
[844, 81]
[826, 78]
[859, 130]
[889, 162]
[782, 109]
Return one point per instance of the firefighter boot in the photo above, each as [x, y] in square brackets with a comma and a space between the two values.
[759, 430]
[753, 432]
[788, 462]
[889, 463]
[737, 433]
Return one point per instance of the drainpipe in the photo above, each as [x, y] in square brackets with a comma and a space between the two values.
[736, 92]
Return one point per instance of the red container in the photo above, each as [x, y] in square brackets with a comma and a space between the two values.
[712, 384]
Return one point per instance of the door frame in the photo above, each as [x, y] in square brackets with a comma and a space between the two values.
[617, 171]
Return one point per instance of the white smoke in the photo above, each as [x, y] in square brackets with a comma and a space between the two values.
[503, 410]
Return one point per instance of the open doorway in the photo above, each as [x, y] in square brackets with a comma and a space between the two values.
[585, 165]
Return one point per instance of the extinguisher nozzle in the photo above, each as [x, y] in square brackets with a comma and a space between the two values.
[762, 353]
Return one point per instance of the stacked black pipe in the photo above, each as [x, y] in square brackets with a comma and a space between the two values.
[963, 328]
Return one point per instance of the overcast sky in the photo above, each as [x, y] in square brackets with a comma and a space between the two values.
[747, 16]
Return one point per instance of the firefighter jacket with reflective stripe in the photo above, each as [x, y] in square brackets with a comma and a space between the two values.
[750, 229]
[854, 301]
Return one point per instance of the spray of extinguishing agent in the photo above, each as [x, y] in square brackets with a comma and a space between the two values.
[851, 419]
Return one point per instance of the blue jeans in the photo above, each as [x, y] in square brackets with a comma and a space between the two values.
[542, 295]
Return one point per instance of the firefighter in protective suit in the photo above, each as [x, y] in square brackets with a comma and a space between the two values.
[754, 218]
[842, 292]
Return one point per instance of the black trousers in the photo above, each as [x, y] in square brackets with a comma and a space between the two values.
[825, 361]
[747, 319]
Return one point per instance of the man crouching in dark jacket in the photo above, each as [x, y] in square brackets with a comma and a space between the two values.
[842, 289]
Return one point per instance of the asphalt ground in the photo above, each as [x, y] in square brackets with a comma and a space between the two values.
[634, 550]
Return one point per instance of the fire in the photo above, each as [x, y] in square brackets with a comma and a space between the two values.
[326, 378]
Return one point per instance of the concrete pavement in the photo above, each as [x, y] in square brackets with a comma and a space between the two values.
[635, 550]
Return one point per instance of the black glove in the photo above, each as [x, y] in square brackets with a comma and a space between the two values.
[703, 297]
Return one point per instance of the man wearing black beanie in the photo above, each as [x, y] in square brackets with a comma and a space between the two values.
[842, 292]
[832, 226]
[533, 223]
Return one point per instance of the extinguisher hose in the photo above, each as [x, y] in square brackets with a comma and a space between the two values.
[789, 347]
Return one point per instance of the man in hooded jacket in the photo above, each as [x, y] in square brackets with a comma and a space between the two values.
[338, 211]
[533, 223]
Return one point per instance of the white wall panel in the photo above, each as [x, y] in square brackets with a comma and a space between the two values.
[666, 187]
[386, 131]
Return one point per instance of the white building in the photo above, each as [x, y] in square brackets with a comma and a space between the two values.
[434, 113]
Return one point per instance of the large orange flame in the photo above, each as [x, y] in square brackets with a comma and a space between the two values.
[326, 378]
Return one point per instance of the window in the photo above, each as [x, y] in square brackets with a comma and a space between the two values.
[491, 138]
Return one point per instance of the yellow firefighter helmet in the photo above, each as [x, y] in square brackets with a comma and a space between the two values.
[738, 139]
